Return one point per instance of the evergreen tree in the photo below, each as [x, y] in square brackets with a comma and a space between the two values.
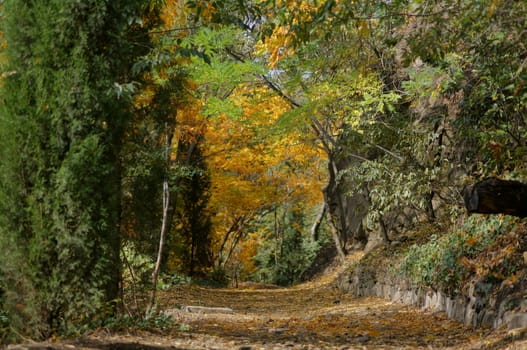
[64, 114]
[288, 252]
[193, 190]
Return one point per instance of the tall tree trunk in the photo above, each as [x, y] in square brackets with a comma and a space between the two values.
[346, 211]
[430, 213]
[164, 223]
[383, 231]
[315, 228]
[336, 237]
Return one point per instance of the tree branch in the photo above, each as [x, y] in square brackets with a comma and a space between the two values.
[389, 152]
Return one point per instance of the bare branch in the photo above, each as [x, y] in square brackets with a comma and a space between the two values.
[390, 153]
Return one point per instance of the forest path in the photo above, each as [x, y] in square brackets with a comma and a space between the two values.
[304, 317]
[310, 317]
[313, 315]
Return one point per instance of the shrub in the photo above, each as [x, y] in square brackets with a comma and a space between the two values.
[283, 261]
[440, 263]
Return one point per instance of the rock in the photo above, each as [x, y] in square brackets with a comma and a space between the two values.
[495, 196]
[277, 330]
[207, 310]
[515, 320]
[46, 346]
[517, 333]
[363, 339]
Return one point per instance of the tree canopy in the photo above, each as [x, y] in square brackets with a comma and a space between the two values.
[246, 134]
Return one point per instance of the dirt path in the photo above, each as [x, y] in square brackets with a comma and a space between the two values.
[311, 316]
[306, 317]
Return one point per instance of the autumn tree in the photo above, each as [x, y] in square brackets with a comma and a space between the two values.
[256, 164]
[66, 108]
[355, 80]
[324, 71]
[166, 179]
[407, 136]
[258, 169]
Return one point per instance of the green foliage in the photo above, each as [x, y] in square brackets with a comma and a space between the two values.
[137, 268]
[396, 186]
[475, 52]
[284, 256]
[137, 273]
[154, 322]
[193, 217]
[439, 263]
[64, 123]
[177, 279]
[218, 277]
[216, 106]
[223, 69]
[168, 110]
[432, 81]
[4, 324]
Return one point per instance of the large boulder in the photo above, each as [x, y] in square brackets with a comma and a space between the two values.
[495, 196]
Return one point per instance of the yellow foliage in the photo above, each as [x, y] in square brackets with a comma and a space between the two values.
[253, 167]
[173, 14]
[278, 45]
[207, 10]
[248, 250]
[363, 28]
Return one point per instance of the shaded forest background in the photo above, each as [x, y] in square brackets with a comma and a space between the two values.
[244, 138]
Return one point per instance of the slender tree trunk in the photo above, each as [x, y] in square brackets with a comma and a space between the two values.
[383, 231]
[134, 281]
[275, 229]
[430, 213]
[234, 244]
[315, 234]
[235, 227]
[192, 255]
[164, 223]
[336, 237]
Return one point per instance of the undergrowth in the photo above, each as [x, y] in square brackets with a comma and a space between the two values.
[446, 262]
[135, 323]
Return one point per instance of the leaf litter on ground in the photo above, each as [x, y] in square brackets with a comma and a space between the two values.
[314, 315]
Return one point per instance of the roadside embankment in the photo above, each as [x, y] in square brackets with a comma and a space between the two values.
[478, 277]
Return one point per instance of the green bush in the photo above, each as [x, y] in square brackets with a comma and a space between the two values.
[154, 321]
[137, 269]
[178, 279]
[5, 332]
[439, 262]
[283, 261]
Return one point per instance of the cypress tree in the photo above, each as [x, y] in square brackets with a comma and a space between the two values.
[62, 121]
[194, 218]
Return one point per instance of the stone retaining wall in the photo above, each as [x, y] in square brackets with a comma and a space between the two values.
[484, 306]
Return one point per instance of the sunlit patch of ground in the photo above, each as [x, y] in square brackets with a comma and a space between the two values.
[314, 315]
